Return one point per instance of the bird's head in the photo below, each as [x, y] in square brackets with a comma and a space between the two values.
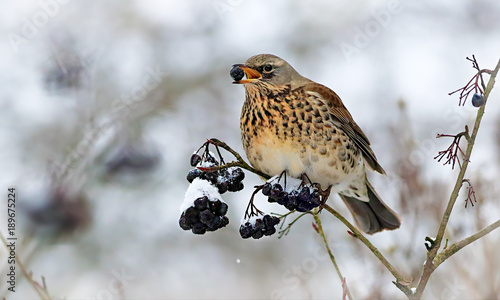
[269, 70]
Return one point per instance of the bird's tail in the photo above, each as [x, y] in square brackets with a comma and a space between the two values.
[372, 216]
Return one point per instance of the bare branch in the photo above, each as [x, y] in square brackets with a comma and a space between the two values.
[240, 161]
[454, 248]
[319, 229]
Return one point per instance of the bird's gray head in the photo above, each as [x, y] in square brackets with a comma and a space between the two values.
[270, 70]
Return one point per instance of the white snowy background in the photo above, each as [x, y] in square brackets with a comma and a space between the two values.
[155, 75]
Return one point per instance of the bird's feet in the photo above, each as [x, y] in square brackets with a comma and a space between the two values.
[324, 194]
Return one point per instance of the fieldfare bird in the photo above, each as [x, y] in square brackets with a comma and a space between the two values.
[290, 123]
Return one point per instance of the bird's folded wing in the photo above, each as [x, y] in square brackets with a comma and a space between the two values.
[343, 119]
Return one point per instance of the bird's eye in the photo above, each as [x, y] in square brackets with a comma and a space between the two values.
[268, 68]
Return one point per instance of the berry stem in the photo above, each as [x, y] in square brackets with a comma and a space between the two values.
[240, 161]
[320, 231]
[289, 226]
[252, 210]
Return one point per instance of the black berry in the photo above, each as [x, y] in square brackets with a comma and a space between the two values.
[211, 176]
[201, 203]
[277, 194]
[222, 211]
[246, 230]
[257, 234]
[237, 174]
[194, 173]
[266, 189]
[191, 214]
[183, 222]
[206, 216]
[222, 186]
[235, 186]
[195, 160]
[478, 100]
[236, 73]
[199, 228]
[270, 220]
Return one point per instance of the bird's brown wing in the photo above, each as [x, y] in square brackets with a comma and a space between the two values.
[343, 119]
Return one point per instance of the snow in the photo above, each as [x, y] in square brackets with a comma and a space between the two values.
[251, 220]
[206, 164]
[291, 182]
[199, 188]
[226, 176]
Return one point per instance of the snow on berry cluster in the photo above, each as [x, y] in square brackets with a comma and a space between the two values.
[292, 193]
[230, 179]
[203, 208]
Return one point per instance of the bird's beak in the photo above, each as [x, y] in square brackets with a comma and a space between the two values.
[252, 74]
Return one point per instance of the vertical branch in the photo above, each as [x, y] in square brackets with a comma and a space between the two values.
[429, 266]
[330, 254]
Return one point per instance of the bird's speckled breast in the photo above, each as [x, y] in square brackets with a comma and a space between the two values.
[292, 130]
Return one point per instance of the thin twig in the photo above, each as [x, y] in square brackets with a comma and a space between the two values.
[286, 230]
[357, 234]
[252, 210]
[240, 161]
[454, 248]
[452, 152]
[330, 254]
[430, 266]
[41, 291]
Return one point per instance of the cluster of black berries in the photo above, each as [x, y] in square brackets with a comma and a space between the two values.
[225, 180]
[262, 226]
[302, 199]
[205, 215]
